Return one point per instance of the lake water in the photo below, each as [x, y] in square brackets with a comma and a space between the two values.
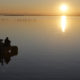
[48, 47]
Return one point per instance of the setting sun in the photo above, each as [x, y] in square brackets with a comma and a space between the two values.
[63, 8]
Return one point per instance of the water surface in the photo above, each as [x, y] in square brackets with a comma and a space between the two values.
[48, 47]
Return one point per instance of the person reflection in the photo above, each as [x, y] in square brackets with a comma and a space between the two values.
[7, 51]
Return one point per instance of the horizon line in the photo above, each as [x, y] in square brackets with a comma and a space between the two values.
[4, 14]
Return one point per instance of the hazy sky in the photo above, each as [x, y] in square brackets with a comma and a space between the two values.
[50, 7]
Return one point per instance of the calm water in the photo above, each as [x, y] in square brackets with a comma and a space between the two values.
[48, 48]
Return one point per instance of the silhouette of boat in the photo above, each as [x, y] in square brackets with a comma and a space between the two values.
[7, 51]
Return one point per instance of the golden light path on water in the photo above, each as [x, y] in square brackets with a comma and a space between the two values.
[63, 23]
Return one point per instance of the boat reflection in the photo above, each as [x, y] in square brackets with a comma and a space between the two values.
[7, 51]
[63, 23]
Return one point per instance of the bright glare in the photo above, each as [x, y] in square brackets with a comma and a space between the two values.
[63, 23]
[63, 8]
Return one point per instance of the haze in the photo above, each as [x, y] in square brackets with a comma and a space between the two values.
[39, 7]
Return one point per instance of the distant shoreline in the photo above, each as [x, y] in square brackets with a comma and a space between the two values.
[33, 15]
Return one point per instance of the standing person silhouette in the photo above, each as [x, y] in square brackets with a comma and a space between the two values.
[7, 42]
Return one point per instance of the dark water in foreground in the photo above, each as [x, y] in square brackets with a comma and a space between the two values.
[48, 48]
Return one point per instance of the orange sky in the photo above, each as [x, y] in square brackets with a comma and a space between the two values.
[41, 7]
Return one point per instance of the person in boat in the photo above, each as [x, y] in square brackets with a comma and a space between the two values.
[7, 42]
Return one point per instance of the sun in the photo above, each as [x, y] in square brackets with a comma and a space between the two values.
[63, 8]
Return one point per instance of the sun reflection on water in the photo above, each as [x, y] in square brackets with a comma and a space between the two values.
[63, 23]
